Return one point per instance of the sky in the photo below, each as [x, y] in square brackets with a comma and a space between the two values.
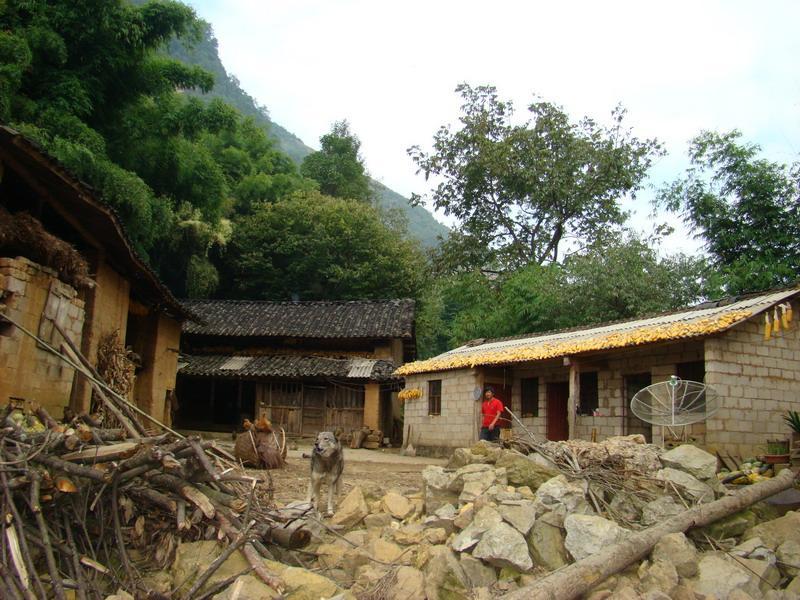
[390, 69]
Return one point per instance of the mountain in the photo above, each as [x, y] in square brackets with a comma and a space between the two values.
[204, 53]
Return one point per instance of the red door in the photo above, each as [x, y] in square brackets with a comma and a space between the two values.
[503, 393]
[557, 399]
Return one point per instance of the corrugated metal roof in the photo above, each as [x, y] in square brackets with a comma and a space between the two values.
[323, 319]
[285, 365]
[697, 321]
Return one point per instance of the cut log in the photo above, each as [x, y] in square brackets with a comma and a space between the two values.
[102, 453]
[578, 578]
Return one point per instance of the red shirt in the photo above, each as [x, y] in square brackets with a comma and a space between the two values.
[489, 410]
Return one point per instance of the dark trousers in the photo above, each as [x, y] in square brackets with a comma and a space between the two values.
[489, 435]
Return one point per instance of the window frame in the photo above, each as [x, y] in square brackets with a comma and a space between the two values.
[434, 399]
[584, 376]
[535, 397]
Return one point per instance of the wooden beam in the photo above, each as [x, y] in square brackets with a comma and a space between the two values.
[574, 395]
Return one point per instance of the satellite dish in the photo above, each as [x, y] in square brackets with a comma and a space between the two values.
[675, 403]
[477, 393]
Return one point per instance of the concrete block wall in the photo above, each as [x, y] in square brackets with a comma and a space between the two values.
[34, 297]
[457, 425]
[757, 380]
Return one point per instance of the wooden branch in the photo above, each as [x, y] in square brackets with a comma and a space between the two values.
[216, 564]
[58, 586]
[94, 454]
[578, 578]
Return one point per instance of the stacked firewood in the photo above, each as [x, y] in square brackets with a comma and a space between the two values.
[87, 507]
[366, 438]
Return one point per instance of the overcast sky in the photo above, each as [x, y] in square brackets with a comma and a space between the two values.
[390, 68]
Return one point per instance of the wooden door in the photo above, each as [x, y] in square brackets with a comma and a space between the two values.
[631, 423]
[557, 401]
[313, 409]
[503, 393]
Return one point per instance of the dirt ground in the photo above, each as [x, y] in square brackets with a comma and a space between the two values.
[376, 471]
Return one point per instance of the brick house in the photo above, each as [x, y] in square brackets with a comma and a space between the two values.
[307, 366]
[579, 383]
[121, 294]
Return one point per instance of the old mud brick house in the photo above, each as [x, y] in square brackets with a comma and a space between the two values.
[307, 366]
[592, 373]
[121, 293]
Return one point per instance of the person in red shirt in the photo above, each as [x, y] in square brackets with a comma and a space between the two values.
[491, 408]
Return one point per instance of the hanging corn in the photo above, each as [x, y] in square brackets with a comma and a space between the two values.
[767, 326]
[787, 315]
[776, 322]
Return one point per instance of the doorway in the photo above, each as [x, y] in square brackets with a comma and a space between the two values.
[631, 424]
[557, 401]
[313, 409]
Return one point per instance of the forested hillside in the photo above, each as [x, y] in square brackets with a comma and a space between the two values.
[203, 53]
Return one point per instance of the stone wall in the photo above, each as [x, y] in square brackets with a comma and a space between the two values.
[758, 380]
[34, 297]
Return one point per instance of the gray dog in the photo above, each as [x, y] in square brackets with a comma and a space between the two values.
[327, 458]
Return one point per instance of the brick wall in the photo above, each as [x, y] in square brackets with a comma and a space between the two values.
[34, 297]
[758, 381]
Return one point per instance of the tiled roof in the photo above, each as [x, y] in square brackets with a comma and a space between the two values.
[323, 319]
[285, 365]
[697, 321]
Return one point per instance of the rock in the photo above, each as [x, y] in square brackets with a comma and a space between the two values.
[378, 520]
[658, 575]
[436, 488]
[729, 527]
[504, 546]
[788, 553]
[754, 548]
[330, 556]
[719, 575]
[676, 549]
[409, 584]
[464, 516]
[477, 573]
[520, 470]
[562, 496]
[435, 536]
[526, 492]
[397, 505]
[305, 585]
[160, 582]
[409, 535]
[485, 519]
[367, 576]
[387, 552]
[543, 462]
[696, 489]
[767, 574]
[625, 593]
[457, 478]
[356, 537]
[519, 514]
[660, 510]
[444, 577]
[194, 558]
[354, 559]
[464, 456]
[692, 460]
[476, 484]
[487, 449]
[794, 586]
[444, 520]
[656, 595]
[588, 534]
[246, 587]
[776, 532]
[626, 506]
[546, 542]
[120, 595]
[352, 509]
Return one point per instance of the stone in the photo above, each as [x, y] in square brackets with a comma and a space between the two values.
[356, 537]
[543, 461]
[728, 527]
[625, 593]
[660, 510]
[588, 534]
[521, 470]
[409, 584]
[120, 595]
[436, 536]
[768, 575]
[477, 573]
[444, 523]
[676, 549]
[562, 496]
[692, 460]
[331, 556]
[719, 575]
[378, 520]
[487, 449]
[526, 492]
[367, 576]
[246, 587]
[656, 595]
[519, 514]
[504, 546]
[159, 581]
[485, 519]
[355, 558]
[444, 577]
[464, 456]
[387, 552]
[464, 516]
[476, 484]
[193, 558]
[794, 586]
[397, 505]
[436, 488]
[788, 555]
[472, 471]
[302, 584]
[776, 532]
[693, 487]
[352, 509]
[627, 506]
[409, 534]
[546, 542]
[658, 575]
[754, 548]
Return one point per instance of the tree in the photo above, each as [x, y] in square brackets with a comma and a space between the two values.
[311, 246]
[522, 190]
[337, 167]
[745, 208]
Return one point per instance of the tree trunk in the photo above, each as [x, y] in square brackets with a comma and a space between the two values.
[580, 577]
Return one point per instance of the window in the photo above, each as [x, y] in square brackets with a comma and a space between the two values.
[435, 397]
[691, 371]
[530, 397]
[589, 396]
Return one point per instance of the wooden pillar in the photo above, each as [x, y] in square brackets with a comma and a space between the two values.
[574, 393]
[372, 405]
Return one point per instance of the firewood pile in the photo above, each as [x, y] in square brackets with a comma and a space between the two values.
[366, 438]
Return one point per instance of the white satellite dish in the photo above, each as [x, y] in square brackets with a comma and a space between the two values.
[675, 403]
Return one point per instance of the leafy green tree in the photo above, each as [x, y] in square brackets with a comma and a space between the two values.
[337, 167]
[522, 190]
[745, 208]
